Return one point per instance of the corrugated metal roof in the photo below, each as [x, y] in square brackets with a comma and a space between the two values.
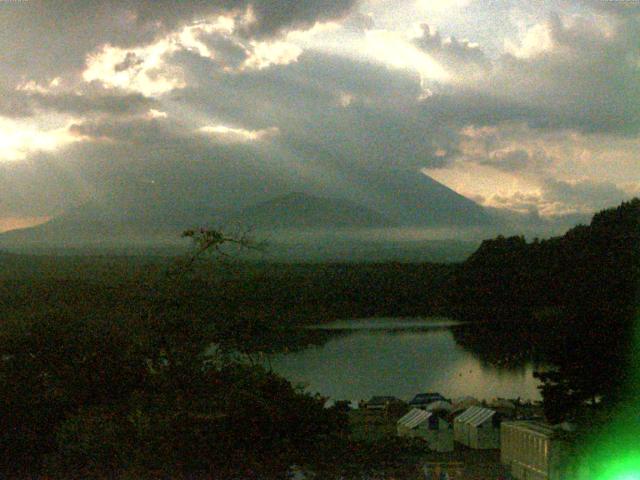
[481, 417]
[414, 418]
[531, 426]
[469, 412]
[475, 416]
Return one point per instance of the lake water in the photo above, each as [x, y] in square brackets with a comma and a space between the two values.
[400, 357]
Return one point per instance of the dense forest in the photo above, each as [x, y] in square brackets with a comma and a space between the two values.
[571, 300]
[107, 367]
[306, 292]
[590, 268]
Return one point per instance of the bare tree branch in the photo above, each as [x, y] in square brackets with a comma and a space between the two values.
[212, 241]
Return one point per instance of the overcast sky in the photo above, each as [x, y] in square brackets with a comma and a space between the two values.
[527, 105]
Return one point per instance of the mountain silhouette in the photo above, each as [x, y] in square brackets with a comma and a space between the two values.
[302, 210]
[147, 214]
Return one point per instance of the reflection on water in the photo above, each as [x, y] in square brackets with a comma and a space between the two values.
[401, 357]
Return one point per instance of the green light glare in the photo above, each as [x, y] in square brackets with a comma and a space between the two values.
[615, 456]
[625, 470]
[614, 453]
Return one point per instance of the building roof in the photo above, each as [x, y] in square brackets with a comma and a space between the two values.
[414, 418]
[532, 426]
[425, 398]
[475, 416]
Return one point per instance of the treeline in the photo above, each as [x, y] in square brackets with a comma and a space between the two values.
[590, 268]
[570, 300]
[320, 293]
[283, 293]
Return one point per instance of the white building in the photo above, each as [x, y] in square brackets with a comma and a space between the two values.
[533, 450]
[439, 406]
[478, 427]
[435, 430]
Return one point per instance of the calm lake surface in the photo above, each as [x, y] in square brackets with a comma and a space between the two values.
[400, 357]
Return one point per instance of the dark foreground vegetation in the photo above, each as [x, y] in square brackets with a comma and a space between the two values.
[141, 373]
[136, 368]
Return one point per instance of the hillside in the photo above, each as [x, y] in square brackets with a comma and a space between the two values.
[591, 267]
[301, 210]
[414, 199]
[152, 216]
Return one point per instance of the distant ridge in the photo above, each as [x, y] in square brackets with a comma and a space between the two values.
[145, 215]
[302, 210]
[103, 223]
[412, 198]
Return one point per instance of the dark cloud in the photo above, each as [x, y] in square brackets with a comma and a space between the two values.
[359, 22]
[517, 160]
[586, 80]
[115, 103]
[20, 104]
[275, 16]
[454, 53]
[590, 195]
[511, 161]
[148, 132]
[42, 39]
[14, 104]
[466, 106]
[617, 7]
[131, 60]
[383, 125]
[228, 53]
[272, 17]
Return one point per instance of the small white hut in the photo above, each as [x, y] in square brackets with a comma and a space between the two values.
[478, 428]
[533, 450]
[434, 429]
[439, 406]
